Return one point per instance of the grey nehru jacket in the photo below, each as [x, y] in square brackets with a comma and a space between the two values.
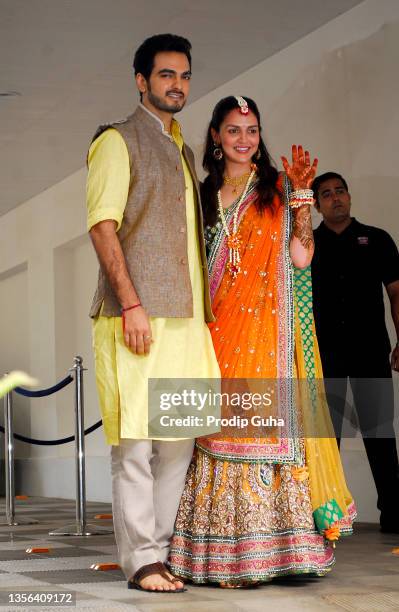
[153, 234]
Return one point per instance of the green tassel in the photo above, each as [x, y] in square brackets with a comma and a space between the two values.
[326, 515]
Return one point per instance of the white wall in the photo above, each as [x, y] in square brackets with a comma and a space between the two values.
[335, 91]
[15, 336]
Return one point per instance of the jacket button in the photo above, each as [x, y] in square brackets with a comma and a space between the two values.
[180, 198]
[182, 260]
[182, 230]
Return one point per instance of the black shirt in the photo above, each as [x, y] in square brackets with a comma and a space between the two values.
[348, 271]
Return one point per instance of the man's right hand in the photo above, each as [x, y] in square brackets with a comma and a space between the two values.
[137, 330]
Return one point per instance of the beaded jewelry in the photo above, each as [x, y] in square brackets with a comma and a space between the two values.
[301, 197]
[233, 238]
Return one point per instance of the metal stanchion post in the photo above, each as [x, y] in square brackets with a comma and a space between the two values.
[9, 460]
[11, 519]
[80, 527]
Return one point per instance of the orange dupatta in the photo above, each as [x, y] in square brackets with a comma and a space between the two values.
[253, 331]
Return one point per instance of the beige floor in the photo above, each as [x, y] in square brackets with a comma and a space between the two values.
[364, 579]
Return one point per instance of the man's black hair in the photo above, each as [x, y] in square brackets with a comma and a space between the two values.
[143, 62]
[322, 179]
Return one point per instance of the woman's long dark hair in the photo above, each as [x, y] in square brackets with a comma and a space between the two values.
[267, 172]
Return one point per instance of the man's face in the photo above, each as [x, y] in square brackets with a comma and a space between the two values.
[334, 201]
[168, 86]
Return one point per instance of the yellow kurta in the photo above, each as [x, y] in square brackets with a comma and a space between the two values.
[182, 348]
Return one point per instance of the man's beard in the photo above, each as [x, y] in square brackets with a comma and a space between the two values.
[160, 105]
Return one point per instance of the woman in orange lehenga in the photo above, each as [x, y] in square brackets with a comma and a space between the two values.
[257, 508]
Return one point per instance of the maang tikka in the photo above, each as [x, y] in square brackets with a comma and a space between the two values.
[243, 104]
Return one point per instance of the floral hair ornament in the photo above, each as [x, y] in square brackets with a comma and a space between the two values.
[243, 104]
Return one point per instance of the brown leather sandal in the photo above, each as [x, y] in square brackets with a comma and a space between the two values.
[243, 584]
[150, 570]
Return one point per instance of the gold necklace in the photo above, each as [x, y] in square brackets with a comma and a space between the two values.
[236, 181]
[233, 238]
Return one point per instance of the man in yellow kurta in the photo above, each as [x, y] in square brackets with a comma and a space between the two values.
[151, 303]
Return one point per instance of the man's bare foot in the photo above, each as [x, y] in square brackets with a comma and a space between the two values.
[155, 577]
[156, 582]
[178, 582]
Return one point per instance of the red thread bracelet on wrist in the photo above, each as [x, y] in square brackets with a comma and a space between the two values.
[130, 307]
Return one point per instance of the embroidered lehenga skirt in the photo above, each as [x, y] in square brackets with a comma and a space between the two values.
[257, 508]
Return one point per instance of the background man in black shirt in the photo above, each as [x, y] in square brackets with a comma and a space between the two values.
[352, 262]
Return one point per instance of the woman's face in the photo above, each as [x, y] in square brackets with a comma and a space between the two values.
[238, 136]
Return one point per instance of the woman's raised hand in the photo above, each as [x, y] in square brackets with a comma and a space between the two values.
[300, 173]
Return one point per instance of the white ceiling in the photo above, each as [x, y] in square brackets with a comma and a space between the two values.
[70, 61]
